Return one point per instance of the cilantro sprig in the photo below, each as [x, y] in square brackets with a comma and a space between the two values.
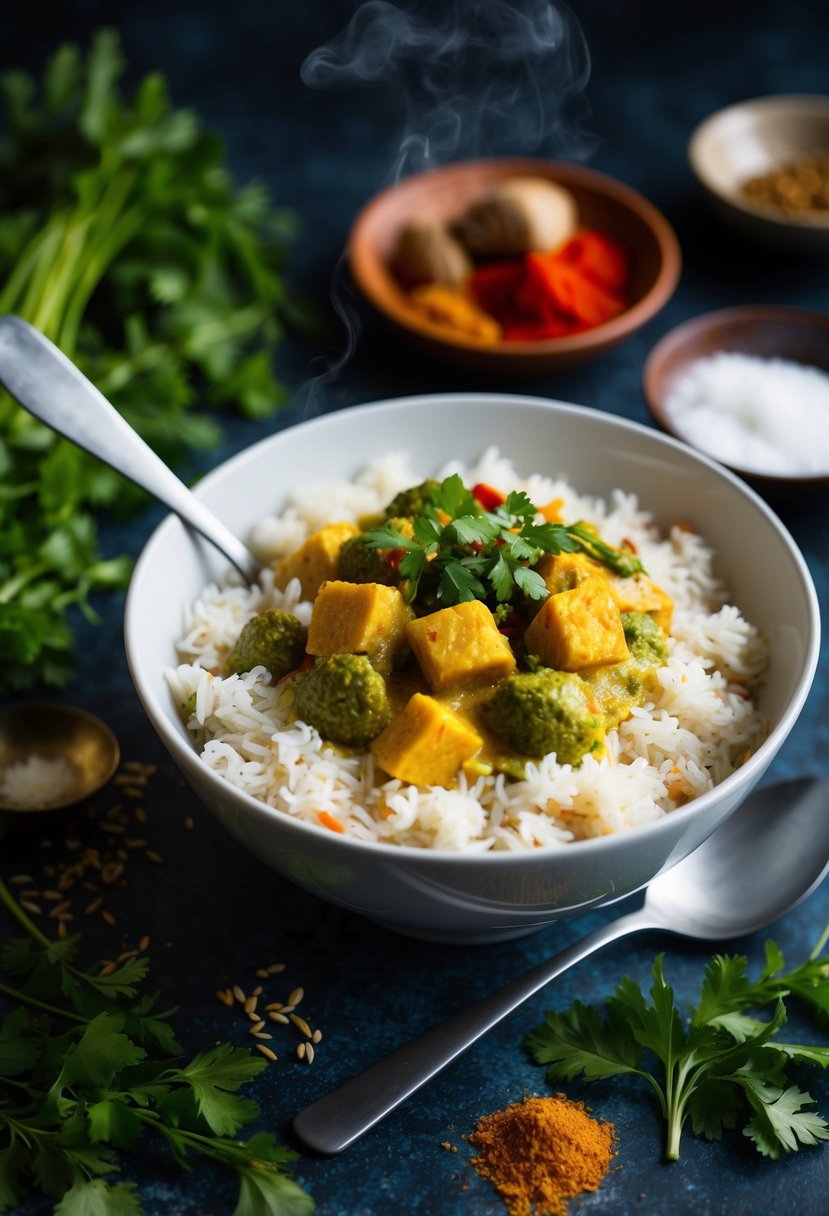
[722, 1065]
[124, 239]
[89, 1065]
[470, 553]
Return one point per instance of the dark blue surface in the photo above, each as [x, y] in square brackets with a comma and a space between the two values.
[214, 913]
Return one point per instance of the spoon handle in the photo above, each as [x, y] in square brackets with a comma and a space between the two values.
[48, 385]
[341, 1117]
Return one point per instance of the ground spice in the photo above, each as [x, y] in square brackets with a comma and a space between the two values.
[541, 1152]
[797, 189]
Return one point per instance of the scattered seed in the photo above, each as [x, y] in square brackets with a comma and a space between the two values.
[64, 906]
[64, 916]
[316, 1037]
[31, 893]
[274, 1005]
[275, 968]
[144, 942]
[151, 855]
[20, 880]
[279, 1017]
[301, 1024]
[288, 1008]
[261, 973]
[107, 916]
[300, 1051]
[257, 990]
[266, 1051]
[89, 886]
[256, 1027]
[112, 828]
[250, 1004]
[132, 791]
[225, 996]
[34, 908]
[239, 994]
[140, 814]
[261, 1034]
[62, 929]
[125, 954]
[107, 969]
[53, 896]
[188, 823]
[309, 1053]
[94, 906]
[296, 996]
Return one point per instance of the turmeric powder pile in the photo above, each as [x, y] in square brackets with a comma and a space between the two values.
[541, 1152]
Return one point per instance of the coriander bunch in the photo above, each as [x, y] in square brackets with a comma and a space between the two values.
[89, 1067]
[723, 1065]
[124, 239]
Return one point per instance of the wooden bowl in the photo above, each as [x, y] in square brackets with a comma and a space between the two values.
[753, 138]
[445, 193]
[763, 331]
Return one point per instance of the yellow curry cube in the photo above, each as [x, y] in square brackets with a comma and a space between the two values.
[563, 571]
[426, 743]
[641, 594]
[461, 643]
[315, 560]
[578, 628]
[356, 618]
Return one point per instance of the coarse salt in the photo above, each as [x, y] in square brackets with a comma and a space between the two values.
[762, 415]
[37, 781]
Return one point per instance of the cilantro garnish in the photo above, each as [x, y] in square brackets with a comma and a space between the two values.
[470, 553]
[88, 1066]
[122, 238]
[722, 1065]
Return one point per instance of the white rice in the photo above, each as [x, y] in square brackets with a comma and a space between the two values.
[699, 727]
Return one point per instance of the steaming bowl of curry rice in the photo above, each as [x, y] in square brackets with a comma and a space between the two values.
[508, 658]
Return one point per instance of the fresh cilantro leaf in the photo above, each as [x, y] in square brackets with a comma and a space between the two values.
[780, 1123]
[101, 1052]
[95, 1197]
[214, 1076]
[113, 1122]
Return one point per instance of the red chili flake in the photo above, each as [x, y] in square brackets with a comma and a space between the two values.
[487, 496]
[512, 627]
[629, 545]
[432, 635]
[394, 559]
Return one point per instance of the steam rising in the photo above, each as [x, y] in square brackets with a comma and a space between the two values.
[473, 77]
[470, 78]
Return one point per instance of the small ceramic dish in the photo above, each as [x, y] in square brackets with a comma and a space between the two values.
[52, 757]
[761, 331]
[444, 194]
[754, 138]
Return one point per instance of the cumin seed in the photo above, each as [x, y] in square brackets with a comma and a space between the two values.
[266, 1051]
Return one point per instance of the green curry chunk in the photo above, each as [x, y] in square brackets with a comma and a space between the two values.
[412, 501]
[344, 698]
[273, 639]
[544, 711]
[646, 640]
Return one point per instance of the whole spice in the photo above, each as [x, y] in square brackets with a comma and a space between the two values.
[541, 1152]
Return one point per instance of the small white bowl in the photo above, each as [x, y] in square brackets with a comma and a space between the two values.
[752, 138]
[448, 896]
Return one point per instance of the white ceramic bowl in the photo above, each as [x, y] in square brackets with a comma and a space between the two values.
[752, 138]
[480, 897]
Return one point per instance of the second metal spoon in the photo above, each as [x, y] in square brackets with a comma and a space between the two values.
[767, 857]
[48, 385]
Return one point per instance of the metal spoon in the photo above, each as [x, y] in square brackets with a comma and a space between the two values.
[760, 863]
[48, 385]
[77, 749]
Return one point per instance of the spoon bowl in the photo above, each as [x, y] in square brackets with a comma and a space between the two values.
[52, 757]
[763, 860]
